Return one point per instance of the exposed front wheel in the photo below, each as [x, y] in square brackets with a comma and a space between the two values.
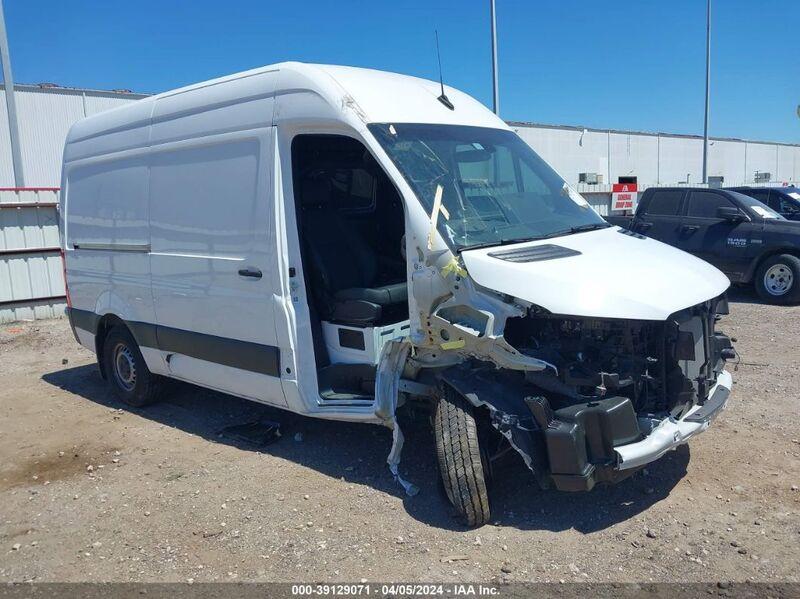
[126, 371]
[462, 464]
[778, 279]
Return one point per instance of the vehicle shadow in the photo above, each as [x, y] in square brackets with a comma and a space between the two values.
[744, 294]
[357, 454]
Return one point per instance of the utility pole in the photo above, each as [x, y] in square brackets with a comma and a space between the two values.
[11, 105]
[495, 88]
[708, 90]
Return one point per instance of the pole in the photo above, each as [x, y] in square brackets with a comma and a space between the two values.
[708, 89]
[11, 105]
[495, 88]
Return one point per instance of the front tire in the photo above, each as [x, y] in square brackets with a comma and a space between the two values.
[461, 462]
[126, 371]
[778, 279]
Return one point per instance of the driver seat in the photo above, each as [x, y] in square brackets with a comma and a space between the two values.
[345, 274]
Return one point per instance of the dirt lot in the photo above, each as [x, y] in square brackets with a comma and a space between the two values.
[93, 491]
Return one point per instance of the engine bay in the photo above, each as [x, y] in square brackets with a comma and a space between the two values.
[664, 368]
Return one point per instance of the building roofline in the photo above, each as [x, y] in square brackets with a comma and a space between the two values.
[648, 133]
[54, 88]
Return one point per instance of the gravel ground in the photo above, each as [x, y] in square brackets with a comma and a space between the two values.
[93, 491]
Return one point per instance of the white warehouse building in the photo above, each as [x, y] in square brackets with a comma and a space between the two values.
[45, 113]
[606, 155]
[31, 279]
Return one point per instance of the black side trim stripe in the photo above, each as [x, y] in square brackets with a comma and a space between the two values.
[83, 319]
[146, 334]
[245, 355]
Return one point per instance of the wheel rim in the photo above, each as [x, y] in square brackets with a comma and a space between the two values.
[124, 367]
[778, 279]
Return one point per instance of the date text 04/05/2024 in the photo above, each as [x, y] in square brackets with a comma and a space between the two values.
[399, 589]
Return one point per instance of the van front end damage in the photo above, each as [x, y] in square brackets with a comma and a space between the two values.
[582, 399]
[614, 394]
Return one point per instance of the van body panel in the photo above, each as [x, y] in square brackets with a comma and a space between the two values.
[211, 201]
[123, 128]
[107, 237]
[233, 105]
[293, 328]
[242, 383]
[384, 97]
[284, 298]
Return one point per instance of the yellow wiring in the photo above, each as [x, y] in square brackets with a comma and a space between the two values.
[457, 344]
[453, 267]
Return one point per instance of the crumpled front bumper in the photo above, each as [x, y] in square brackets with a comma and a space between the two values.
[605, 441]
[576, 447]
[671, 433]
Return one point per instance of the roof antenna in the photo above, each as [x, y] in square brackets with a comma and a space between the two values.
[443, 98]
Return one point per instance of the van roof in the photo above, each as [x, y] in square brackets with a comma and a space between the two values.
[374, 96]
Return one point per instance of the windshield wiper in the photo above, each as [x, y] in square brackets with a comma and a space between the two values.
[510, 241]
[578, 229]
[499, 242]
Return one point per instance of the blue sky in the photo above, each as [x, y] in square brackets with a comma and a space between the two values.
[626, 64]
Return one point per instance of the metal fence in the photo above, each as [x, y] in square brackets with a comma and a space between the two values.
[31, 269]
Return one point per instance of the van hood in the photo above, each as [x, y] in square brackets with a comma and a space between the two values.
[608, 273]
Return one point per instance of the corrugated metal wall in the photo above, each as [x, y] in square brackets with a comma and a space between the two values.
[31, 272]
[44, 117]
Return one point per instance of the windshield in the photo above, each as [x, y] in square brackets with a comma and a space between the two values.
[488, 187]
[756, 207]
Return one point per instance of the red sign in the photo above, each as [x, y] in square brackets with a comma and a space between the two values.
[623, 196]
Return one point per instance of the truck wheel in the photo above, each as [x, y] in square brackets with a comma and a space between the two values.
[127, 373]
[463, 467]
[778, 279]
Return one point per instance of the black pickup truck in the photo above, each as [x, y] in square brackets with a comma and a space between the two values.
[745, 239]
[783, 200]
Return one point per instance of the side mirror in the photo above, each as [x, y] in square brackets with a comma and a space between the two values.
[730, 214]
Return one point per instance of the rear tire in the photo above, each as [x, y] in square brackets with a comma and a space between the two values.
[778, 279]
[127, 374]
[461, 464]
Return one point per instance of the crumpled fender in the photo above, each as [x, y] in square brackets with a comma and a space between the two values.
[457, 317]
[509, 415]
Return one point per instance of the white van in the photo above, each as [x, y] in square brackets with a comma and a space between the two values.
[337, 241]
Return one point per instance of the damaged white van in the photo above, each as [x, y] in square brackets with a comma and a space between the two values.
[337, 241]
